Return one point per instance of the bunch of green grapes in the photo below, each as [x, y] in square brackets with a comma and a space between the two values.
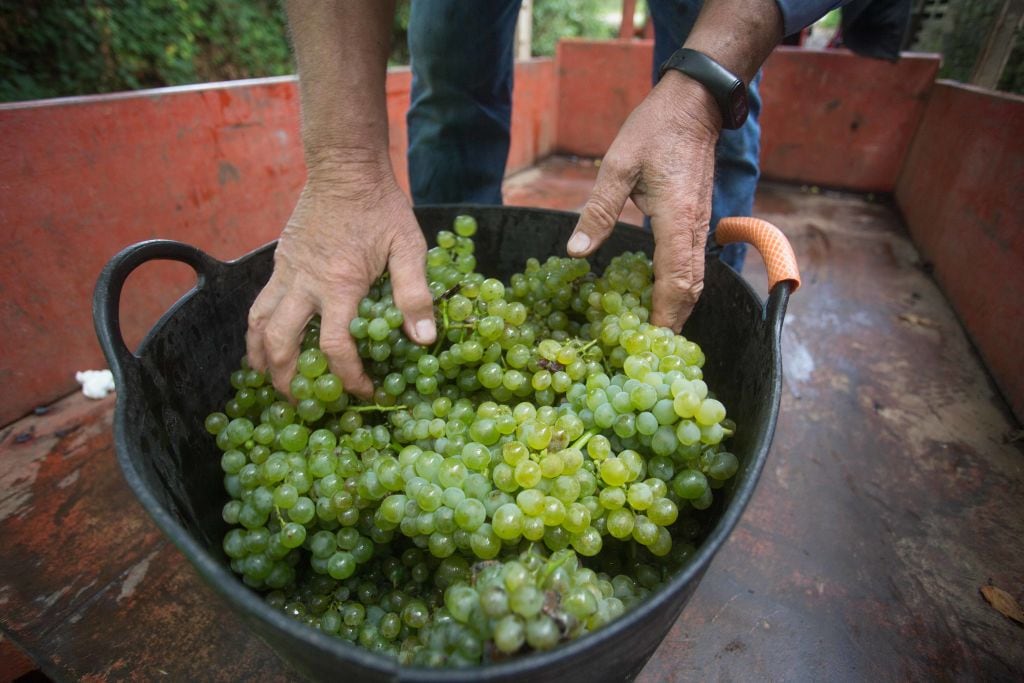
[549, 433]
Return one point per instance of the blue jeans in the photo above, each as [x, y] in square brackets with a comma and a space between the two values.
[461, 106]
[460, 113]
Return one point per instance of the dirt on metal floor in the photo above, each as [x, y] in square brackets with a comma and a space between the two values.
[893, 493]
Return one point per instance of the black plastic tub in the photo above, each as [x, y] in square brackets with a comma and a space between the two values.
[180, 374]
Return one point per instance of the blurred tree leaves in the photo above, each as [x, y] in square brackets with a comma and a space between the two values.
[56, 48]
[554, 19]
[959, 36]
[51, 48]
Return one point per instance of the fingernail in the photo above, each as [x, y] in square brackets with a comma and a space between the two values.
[579, 242]
[424, 330]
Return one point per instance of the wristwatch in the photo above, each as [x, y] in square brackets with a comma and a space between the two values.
[728, 90]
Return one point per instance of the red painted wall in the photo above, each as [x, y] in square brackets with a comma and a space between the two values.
[831, 118]
[219, 166]
[599, 83]
[960, 191]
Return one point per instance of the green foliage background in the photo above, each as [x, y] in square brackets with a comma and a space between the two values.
[554, 19]
[55, 48]
[959, 39]
[51, 48]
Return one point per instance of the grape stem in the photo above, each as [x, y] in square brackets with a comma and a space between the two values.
[443, 307]
[551, 565]
[582, 441]
[377, 407]
[588, 345]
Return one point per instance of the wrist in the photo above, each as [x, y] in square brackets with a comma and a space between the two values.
[693, 101]
[342, 165]
[727, 89]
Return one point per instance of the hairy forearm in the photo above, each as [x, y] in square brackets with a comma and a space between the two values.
[341, 50]
[738, 34]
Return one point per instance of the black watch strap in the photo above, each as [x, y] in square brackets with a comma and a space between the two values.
[728, 90]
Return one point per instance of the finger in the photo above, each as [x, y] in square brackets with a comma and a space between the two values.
[283, 338]
[259, 315]
[407, 265]
[597, 220]
[340, 348]
[678, 269]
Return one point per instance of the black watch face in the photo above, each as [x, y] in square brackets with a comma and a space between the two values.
[739, 110]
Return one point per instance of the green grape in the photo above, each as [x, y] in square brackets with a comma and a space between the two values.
[663, 512]
[639, 496]
[294, 437]
[712, 434]
[528, 474]
[588, 542]
[614, 472]
[490, 375]
[292, 535]
[723, 466]
[688, 433]
[285, 496]
[507, 521]
[233, 461]
[312, 363]
[216, 423]
[341, 565]
[686, 403]
[531, 501]
[643, 397]
[509, 634]
[526, 600]
[710, 412]
[470, 514]
[465, 226]
[690, 485]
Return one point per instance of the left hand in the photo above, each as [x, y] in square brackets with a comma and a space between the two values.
[664, 159]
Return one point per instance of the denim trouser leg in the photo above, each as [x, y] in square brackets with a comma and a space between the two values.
[736, 156]
[461, 105]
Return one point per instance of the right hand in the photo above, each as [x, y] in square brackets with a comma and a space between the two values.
[340, 238]
[664, 158]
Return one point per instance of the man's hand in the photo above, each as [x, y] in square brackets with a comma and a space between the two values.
[663, 157]
[352, 220]
[339, 239]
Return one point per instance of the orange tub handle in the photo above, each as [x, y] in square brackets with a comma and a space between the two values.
[779, 259]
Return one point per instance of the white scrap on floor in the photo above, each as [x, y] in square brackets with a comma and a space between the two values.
[95, 383]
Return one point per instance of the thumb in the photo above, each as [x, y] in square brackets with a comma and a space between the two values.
[600, 213]
[407, 265]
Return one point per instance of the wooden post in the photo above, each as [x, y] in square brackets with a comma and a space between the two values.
[524, 31]
[626, 27]
[998, 45]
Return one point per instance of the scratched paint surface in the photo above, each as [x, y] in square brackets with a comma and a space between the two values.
[889, 498]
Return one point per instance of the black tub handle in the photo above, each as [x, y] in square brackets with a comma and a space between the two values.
[107, 296]
[779, 261]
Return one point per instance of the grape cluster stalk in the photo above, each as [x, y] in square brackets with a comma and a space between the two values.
[522, 482]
